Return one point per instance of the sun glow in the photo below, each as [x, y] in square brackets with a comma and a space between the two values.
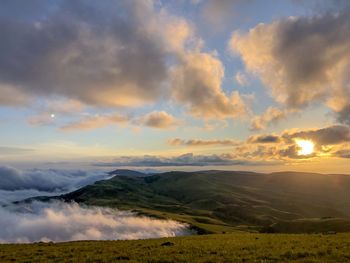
[306, 147]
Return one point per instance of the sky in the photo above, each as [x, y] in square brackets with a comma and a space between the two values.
[259, 85]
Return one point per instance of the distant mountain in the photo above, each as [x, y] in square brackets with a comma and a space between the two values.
[125, 172]
[216, 201]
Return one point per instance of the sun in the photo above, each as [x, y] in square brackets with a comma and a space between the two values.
[306, 147]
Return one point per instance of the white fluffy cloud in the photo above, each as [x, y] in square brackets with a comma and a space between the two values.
[67, 222]
[197, 81]
[270, 116]
[301, 59]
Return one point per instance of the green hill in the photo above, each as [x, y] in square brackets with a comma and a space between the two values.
[225, 201]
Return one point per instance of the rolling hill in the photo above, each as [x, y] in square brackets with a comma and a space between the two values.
[226, 201]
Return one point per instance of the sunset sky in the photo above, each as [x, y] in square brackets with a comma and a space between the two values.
[261, 85]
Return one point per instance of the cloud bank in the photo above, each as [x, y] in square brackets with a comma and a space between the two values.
[188, 159]
[46, 180]
[67, 222]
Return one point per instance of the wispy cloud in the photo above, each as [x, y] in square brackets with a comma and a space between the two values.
[95, 121]
[155, 120]
[201, 142]
[188, 159]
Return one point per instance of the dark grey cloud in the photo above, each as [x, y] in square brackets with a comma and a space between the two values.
[343, 153]
[99, 52]
[331, 135]
[157, 120]
[264, 139]
[188, 159]
[343, 115]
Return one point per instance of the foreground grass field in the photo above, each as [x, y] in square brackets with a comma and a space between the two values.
[206, 248]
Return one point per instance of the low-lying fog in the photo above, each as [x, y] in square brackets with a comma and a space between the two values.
[57, 221]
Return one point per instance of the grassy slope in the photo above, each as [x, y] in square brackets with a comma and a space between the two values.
[209, 248]
[218, 201]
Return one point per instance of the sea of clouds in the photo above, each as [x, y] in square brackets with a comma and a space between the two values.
[58, 221]
[16, 184]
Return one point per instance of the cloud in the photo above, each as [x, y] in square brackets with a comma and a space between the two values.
[52, 180]
[96, 121]
[196, 82]
[270, 116]
[188, 159]
[331, 135]
[331, 141]
[200, 142]
[241, 79]
[69, 49]
[68, 222]
[343, 153]
[301, 59]
[264, 139]
[135, 53]
[157, 120]
[12, 97]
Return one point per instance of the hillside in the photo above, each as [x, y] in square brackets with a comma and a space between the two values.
[210, 248]
[217, 201]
